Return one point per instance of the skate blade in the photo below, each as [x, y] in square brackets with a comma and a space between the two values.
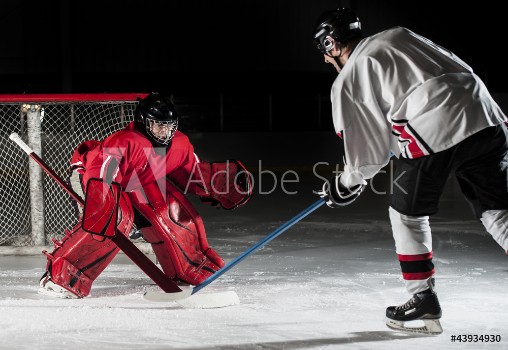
[431, 327]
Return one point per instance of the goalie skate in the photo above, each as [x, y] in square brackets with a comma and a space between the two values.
[48, 287]
[423, 306]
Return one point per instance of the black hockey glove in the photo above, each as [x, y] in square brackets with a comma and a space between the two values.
[336, 195]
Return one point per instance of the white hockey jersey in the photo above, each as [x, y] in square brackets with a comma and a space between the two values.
[400, 93]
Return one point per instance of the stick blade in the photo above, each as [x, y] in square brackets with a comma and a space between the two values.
[187, 300]
[159, 296]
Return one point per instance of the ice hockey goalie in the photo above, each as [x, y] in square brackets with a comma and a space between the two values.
[156, 167]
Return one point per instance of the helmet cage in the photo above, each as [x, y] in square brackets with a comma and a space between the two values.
[341, 25]
[323, 41]
[161, 131]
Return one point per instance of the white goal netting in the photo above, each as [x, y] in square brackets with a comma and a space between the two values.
[33, 207]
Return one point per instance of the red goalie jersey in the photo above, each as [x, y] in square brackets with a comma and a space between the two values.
[129, 158]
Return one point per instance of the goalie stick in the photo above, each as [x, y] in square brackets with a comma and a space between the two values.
[140, 259]
[187, 293]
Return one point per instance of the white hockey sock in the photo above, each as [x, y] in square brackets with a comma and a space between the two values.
[416, 286]
[411, 233]
[412, 236]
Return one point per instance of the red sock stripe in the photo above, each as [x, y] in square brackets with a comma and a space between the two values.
[411, 276]
[418, 257]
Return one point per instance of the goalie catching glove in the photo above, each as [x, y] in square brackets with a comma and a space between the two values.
[337, 195]
[227, 184]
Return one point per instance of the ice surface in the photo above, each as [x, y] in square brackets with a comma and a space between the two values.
[323, 284]
[317, 286]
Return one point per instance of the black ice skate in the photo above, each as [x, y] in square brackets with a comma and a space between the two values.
[422, 306]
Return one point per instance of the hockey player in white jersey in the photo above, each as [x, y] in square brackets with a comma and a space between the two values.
[399, 93]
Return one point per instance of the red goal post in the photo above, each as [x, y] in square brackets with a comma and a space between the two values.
[33, 209]
[63, 98]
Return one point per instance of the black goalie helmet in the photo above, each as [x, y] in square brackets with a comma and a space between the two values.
[342, 25]
[157, 118]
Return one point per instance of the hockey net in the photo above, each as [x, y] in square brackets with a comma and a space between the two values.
[33, 208]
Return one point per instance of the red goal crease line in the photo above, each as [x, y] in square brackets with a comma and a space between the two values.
[91, 97]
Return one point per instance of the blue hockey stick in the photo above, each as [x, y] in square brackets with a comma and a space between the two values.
[241, 257]
[258, 245]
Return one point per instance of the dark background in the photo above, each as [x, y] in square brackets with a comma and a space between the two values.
[230, 65]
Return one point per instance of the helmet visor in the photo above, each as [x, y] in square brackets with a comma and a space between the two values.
[161, 131]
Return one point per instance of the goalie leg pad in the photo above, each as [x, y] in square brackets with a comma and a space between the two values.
[79, 259]
[68, 276]
[177, 234]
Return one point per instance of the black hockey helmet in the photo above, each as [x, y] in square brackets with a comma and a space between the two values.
[341, 24]
[156, 117]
